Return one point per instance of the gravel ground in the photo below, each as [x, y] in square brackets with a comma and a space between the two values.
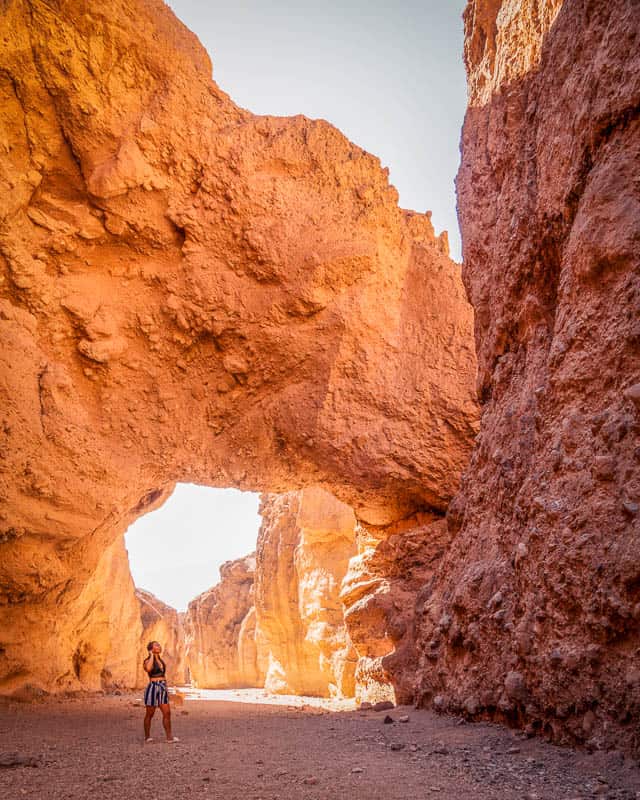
[81, 748]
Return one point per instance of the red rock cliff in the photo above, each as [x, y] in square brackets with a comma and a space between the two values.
[535, 615]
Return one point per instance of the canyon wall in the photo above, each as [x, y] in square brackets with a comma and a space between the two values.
[100, 629]
[380, 591]
[305, 542]
[220, 630]
[163, 624]
[105, 630]
[275, 619]
[534, 617]
[190, 292]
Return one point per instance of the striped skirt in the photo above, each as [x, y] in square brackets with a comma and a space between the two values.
[156, 693]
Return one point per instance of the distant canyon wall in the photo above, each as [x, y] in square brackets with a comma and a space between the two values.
[304, 546]
[163, 624]
[275, 619]
[220, 630]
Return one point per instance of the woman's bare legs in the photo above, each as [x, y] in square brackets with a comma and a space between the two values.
[151, 710]
[166, 720]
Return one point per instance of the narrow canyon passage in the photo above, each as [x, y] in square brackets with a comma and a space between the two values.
[259, 752]
[448, 454]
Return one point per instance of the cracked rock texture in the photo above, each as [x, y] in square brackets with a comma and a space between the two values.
[220, 630]
[304, 546]
[189, 292]
[534, 616]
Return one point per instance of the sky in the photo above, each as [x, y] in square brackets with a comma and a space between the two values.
[390, 76]
[176, 550]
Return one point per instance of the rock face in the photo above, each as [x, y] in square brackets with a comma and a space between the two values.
[193, 293]
[380, 591]
[162, 623]
[220, 630]
[535, 613]
[107, 638]
[304, 546]
[100, 629]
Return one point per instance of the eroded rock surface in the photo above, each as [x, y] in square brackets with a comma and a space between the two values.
[99, 630]
[194, 293]
[384, 583]
[304, 546]
[220, 629]
[162, 623]
[535, 614]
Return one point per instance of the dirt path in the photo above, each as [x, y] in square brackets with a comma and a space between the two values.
[93, 748]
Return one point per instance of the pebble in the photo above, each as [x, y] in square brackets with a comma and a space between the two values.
[310, 781]
[388, 720]
[404, 718]
[396, 746]
[513, 750]
[357, 770]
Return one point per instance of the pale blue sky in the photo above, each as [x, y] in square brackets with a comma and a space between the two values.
[390, 76]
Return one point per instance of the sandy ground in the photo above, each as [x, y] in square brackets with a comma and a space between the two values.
[92, 747]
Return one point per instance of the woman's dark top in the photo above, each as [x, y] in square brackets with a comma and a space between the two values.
[158, 669]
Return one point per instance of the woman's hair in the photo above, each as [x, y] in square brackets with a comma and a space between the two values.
[150, 648]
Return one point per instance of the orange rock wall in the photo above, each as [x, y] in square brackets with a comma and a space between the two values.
[107, 625]
[99, 632]
[385, 580]
[534, 616]
[219, 629]
[163, 624]
[304, 546]
[189, 292]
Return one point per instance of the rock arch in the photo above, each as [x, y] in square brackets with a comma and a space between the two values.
[195, 293]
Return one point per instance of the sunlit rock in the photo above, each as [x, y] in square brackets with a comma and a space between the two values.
[220, 629]
[193, 293]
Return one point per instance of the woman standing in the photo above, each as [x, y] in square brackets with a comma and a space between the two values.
[156, 694]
